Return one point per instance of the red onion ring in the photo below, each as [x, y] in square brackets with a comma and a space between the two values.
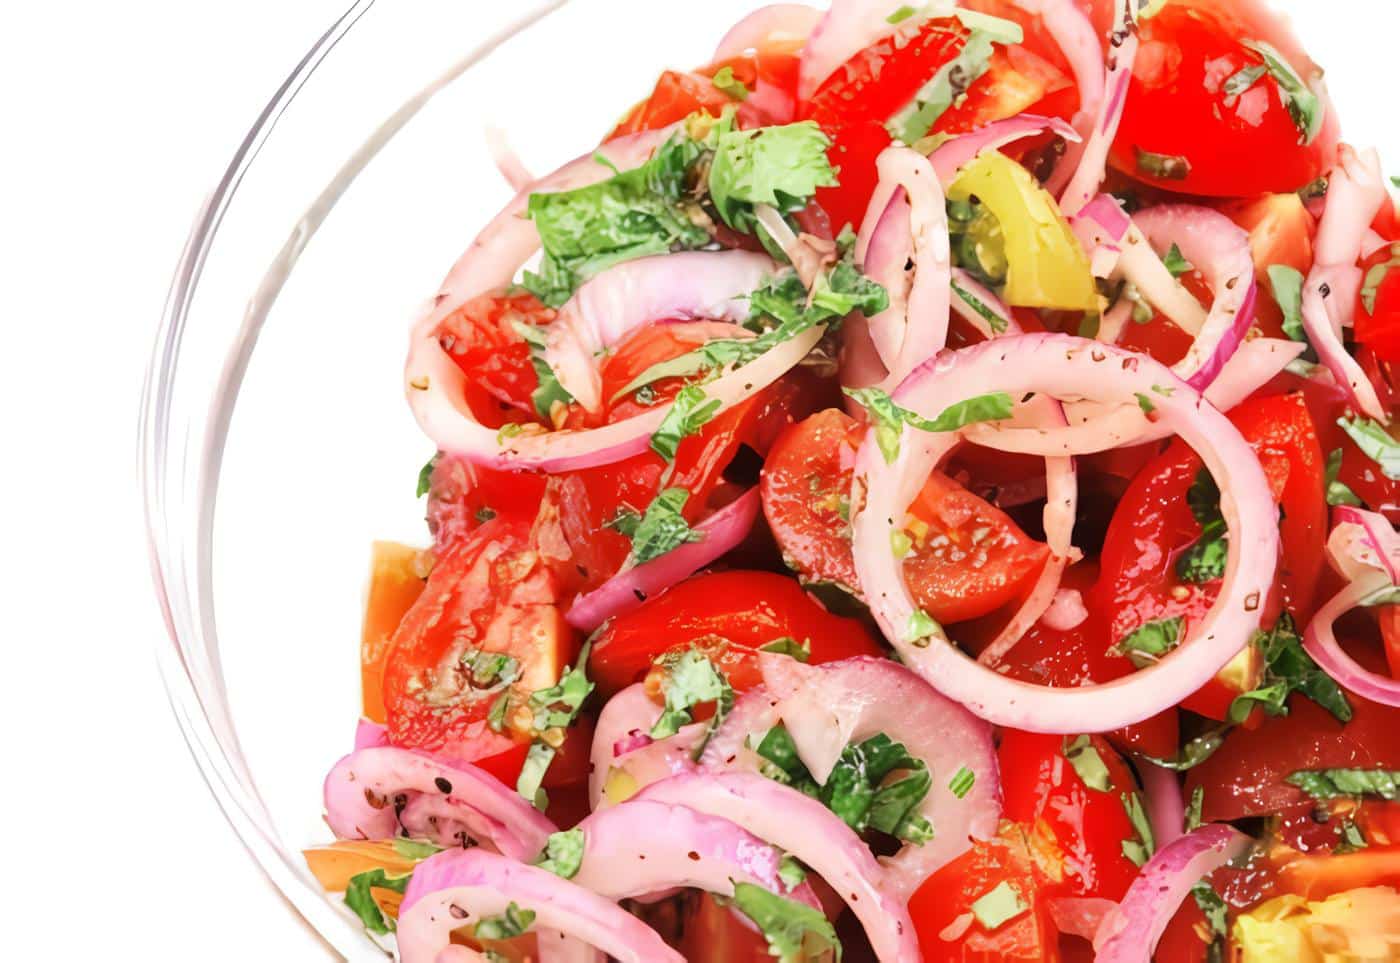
[915, 325]
[1364, 539]
[1320, 641]
[1356, 191]
[1063, 366]
[644, 759]
[1102, 228]
[640, 848]
[949, 159]
[1166, 808]
[370, 735]
[362, 789]
[1129, 933]
[1093, 162]
[827, 707]
[508, 162]
[809, 831]
[690, 285]
[455, 888]
[778, 24]
[719, 533]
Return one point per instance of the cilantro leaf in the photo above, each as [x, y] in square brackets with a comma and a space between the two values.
[1304, 106]
[795, 932]
[362, 904]
[1339, 783]
[510, 924]
[781, 167]
[1288, 669]
[1287, 284]
[1375, 442]
[690, 412]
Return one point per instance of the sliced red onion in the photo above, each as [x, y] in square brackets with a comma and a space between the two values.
[641, 848]
[1093, 161]
[508, 162]
[1320, 640]
[1080, 915]
[813, 834]
[1061, 366]
[691, 285]
[1008, 323]
[778, 24]
[1072, 31]
[828, 707]
[1220, 250]
[1096, 427]
[459, 887]
[950, 158]
[628, 589]
[369, 735]
[915, 326]
[643, 760]
[1364, 539]
[1115, 322]
[1166, 808]
[1129, 933]
[364, 790]
[754, 712]
[1102, 228]
[1355, 193]
[1066, 611]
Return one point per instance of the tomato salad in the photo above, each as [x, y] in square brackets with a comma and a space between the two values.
[931, 498]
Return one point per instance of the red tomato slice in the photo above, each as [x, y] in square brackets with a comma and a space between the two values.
[1039, 785]
[971, 560]
[942, 908]
[711, 933]
[481, 338]
[1280, 232]
[770, 76]
[490, 593]
[1233, 144]
[1154, 525]
[745, 609]
[1378, 308]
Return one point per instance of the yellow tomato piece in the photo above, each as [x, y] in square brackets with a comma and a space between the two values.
[395, 583]
[1046, 266]
[1360, 924]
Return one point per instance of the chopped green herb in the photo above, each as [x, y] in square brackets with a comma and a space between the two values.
[889, 418]
[1168, 167]
[425, 476]
[510, 924]
[556, 707]
[1350, 838]
[496, 718]
[690, 412]
[1196, 750]
[1192, 819]
[550, 392]
[950, 84]
[530, 782]
[1205, 560]
[1287, 669]
[415, 849]
[1340, 783]
[1145, 403]
[1000, 905]
[1375, 443]
[1217, 918]
[1150, 641]
[1287, 283]
[921, 628]
[661, 529]
[362, 904]
[729, 85]
[691, 679]
[962, 782]
[1243, 79]
[791, 872]
[994, 321]
[781, 167]
[1087, 763]
[1140, 848]
[1375, 277]
[795, 931]
[1305, 107]
[787, 645]
[563, 853]
[1176, 263]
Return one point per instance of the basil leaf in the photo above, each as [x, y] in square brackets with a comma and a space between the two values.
[661, 528]
[1205, 560]
[781, 167]
[1243, 79]
[551, 710]
[691, 679]
[795, 931]
[889, 418]
[999, 906]
[1339, 783]
[1087, 763]
[1168, 167]
[362, 904]
[790, 647]
[425, 475]
[994, 321]
[1304, 106]
[563, 853]
[690, 412]
[1376, 443]
[510, 924]
[1337, 492]
[950, 84]
[550, 391]
[996, 406]
[1195, 751]
[729, 85]
[1287, 284]
[1287, 669]
[1139, 849]
[1147, 643]
[1176, 263]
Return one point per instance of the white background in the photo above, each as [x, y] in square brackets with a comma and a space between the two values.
[118, 119]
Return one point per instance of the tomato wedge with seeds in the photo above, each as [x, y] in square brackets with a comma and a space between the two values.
[739, 611]
[490, 593]
[481, 339]
[967, 558]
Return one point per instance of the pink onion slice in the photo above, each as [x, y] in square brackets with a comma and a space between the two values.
[640, 848]
[1166, 808]
[828, 707]
[1093, 161]
[846, 29]
[728, 749]
[508, 162]
[1062, 366]
[1129, 933]
[778, 24]
[1071, 29]
[369, 735]
[719, 533]
[1102, 228]
[1320, 641]
[1361, 540]
[691, 285]
[809, 831]
[1355, 193]
[630, 712]
[364, 789]
[951, 157]
[1220, 251]
[915, 326]
[459, 887]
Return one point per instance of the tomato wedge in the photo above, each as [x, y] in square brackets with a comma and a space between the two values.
[966, 559]
[394, 585]
[769, 79]
[1378, 304]
[746, 610]
[1154, 526]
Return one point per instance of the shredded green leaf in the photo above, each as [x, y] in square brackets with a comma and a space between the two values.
[994, 321]
[1145, 403]
[1196, 750]
[362, 904]
[1140, 848]
[1192, 820]
[1243, 79]
[795, 931]
[510, 924]
[781, 167]
[1340, 783]
[1217, 918]
[1350, 838]
[425, 476]
[1375, 443]
[999, 906]
[1150, 641]
[950, 84]
[1288, 669]
[415, 849]
[660, 529]
[690, 412]
[901, 15]
[1304, 106]
[1287, 284]
[1205, 560]
[889, 418]
[1338, 493]
[921, 629]
[1087, 763]
[1176, 263]
[563, 853]
[788, 646]
[549, 390]
[691, 679]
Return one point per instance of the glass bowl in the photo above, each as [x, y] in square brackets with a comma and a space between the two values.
[260, 524]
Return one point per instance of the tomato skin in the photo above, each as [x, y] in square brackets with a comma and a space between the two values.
[1176, 106]
[1039, 785]
[748, 609]
[481, 339]
[713, 934]
[1153, 524]
[971, 561]
[1378, 322]
[490, 592]
[944, 902]
[769, 75]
